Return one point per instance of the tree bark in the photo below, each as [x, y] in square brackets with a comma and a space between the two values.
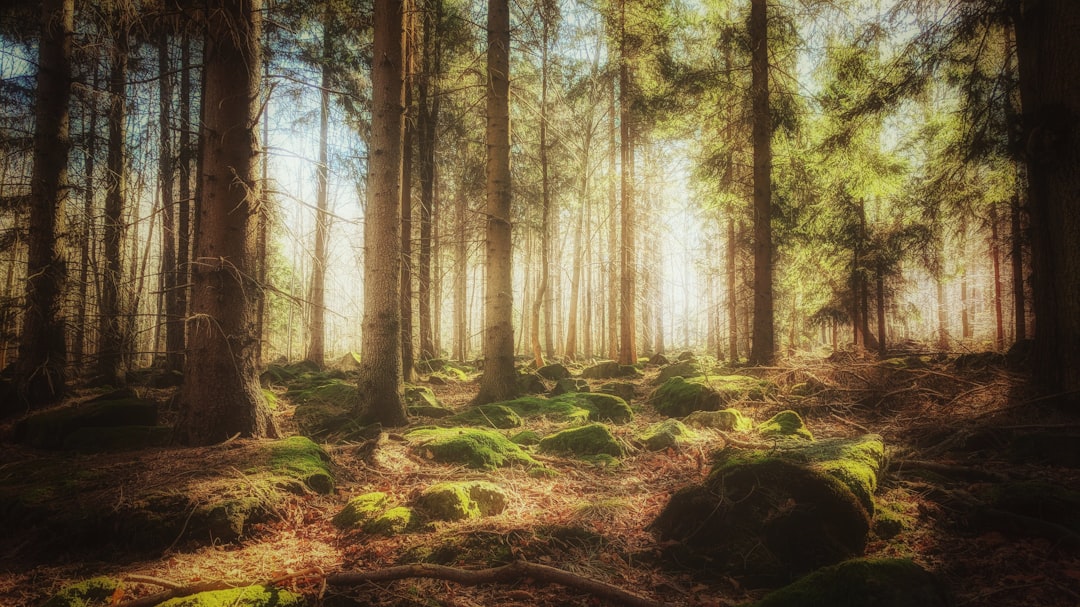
[995, 256]
[732, 300]
[880, 279]
[613, 246]
[381, 380]
[627, 270]
[428, 123]
[316, 347]
[543, 293]
[762, 350]
[498, 381]
[408, 137]
[174, 321]
[40, 367]
[1016, 259]
[184, 204]
[89, 242]
[220, 396]
[461, 272]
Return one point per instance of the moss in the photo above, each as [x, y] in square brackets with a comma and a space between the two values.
[488, 416]
[785, 424]
[890, 521]
[569, 384]
[298, 458]
[120, 438]
[678, 397]
[360, 510]
[728, 420]
[471, 447]
[607, 407]
[863, 583]
[623, 389]
[593, 439]
[250, 596]
[392, 522]
[526, 437]
[460, 500]
[607, 369]
[87, 593]
[271, 399]
[564, 408]
[335, 392]
[683, 368]
[49, 429]
[420, 396]
[668, 434]
[554, 372]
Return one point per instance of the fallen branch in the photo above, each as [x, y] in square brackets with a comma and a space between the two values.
[514, 571]
[178, 591]
[953, 470]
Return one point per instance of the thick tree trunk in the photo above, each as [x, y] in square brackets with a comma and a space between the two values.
[184, 204]
[174, 322]
[380, 357]
[39, 375]
[762, 350]
[1049, 50]
[406, 287]
[112, 322]
[220, 396]
[316, 347]
[543, 293]
[498, 381]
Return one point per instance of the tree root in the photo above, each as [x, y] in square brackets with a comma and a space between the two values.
[516, 570]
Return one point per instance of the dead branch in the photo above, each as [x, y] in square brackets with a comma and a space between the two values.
[514, 571]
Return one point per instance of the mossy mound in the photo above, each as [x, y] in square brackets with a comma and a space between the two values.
[659, 360]
[335, 392]
[119, 438]
[593, 439]
[765, 518]
[863, 583]
[49, 429]
[606, 407]
[690, 367]
[623, 389]
[361, 510]
[564, 408]
[472, 447]
[906, 362]
[394, 521]
[301, 460]
[679, 397]
[608, 369]
[569, 384]
[493, 415]
[322, 420]
[727, 420]
[554, 372]
[526, 437]
[421, 397]
[87, 593]
[668, 434]
[785, 424]
[531, 383]
[249, 596]
[455, 501]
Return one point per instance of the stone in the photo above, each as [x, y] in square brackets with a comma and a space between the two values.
[553, 372]
[726, 420]
[785, 424]
[592, 439]
[460, 500]
[472, 447]
[569, 384]
[623, 389]
[668, 434]
[863, 583]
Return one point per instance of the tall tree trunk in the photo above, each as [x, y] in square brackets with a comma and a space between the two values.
[461, 272]
[111, 335]
[89, 242]
[1016, 258]
[942, 315]
[543, 293]
[613, 246]
[498, 381]
[174, 322]
[428, 105]
[380, 357]
[763, 344]
[220, 396]
[732, 289]
[316, 347]
[880, 278]
[263, 220]
[184, 204]
[409, 136]
[627, 278]
[40, 368]
[575, 275]
[587, 321]
[995, 256]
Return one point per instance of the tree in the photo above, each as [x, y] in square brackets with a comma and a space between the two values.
[427, 102]
[39, 373]
[220, 395]
[498, 381]
[380, 355]
[409, 137]
[316, 350]
[627, 246]
[1048, 51]
[762, 348]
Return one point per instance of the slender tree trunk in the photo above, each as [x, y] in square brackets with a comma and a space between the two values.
[498, 381]
[995, 256]
[380, 357]
[587, 321]
[220, 396]
[613, 246]
[942, 315]
[428, 105]
[40, 367]
[1016, 258]
[575, 276]
[174, 322]
[732, 290]
[461, 272]
[627, 296]
[89, 242]
[184, 204]
[763, 345]
[316, 346]
[406, 288]
[882, 350]
[111, 327]
[543, 293]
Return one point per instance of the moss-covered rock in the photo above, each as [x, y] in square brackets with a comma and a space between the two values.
[526, 438]
[472, 447]
[659, 360]
[569, 384]
[303, 461]
[420, 396]
[623, 389]
[87, 593]
[863, 583]
[249, 596]
[684, 368]
[49, 429]
[361, 510]
[765, 517]
[678, 397]
[460, 500]
[531, 383]
[785, 424]
[593, 439]
[564, 408]
[492, 415]
[119, 438]
[554, 372]
[727, 420]
[336, 392]
[392, 522]
[607, 407]
[668, 434]
[607, 369]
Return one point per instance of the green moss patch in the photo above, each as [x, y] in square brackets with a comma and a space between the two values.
[336, 392]
[526, 438]
[727, 420]
[472, 447]
[593, 439]
[678, 397]
[493, 415]
[668, 434]
[569, 384]
[361, 510]
[49, 429]
[87, 593]
[863, 583]
[684, 368]
[785, 424]
[564, 408]
[455, 501]
[623, 389]
[392, 522]
[301, 460]
[608, 369]
[250, 596]
[606, 407]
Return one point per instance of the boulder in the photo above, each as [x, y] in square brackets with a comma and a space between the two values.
[460, 500]
[863, 583]
[569, 384]
[492, 415]
[392, 522]
[607, 369]
[593, 439]
[684, 368]
[668, 434]
[554, 372]
[50, 429]
[727, 420]
[785, 424]
[679, 397]
[623, 389]
[531, 383]
[606, 407]
[472, 447]
[659, 360]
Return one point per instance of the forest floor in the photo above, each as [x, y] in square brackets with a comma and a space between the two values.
[951, 427]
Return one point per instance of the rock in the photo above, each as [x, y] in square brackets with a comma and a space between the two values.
[607, 407]
[349, 361]
[686, 355]
[668, 434]
[554, 372]
[472, 447]
[608, 369]
[683, 368]
[679, 397]
[526, 438]
[49, 429]
[659, 360]
[564, 408]
[118, 438]
[303, 461]
[863, 583]
[492, 415]
[394, 521]
[593, 439]
[785, 424]
[421, 401]
[323, 391]
[531, 383]
[460, 500]
[94, 591]
[361, 510]
[569, 384]
[727, 420]
[250, 596]
[622, 389]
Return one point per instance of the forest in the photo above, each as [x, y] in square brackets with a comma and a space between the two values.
[757, 303]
